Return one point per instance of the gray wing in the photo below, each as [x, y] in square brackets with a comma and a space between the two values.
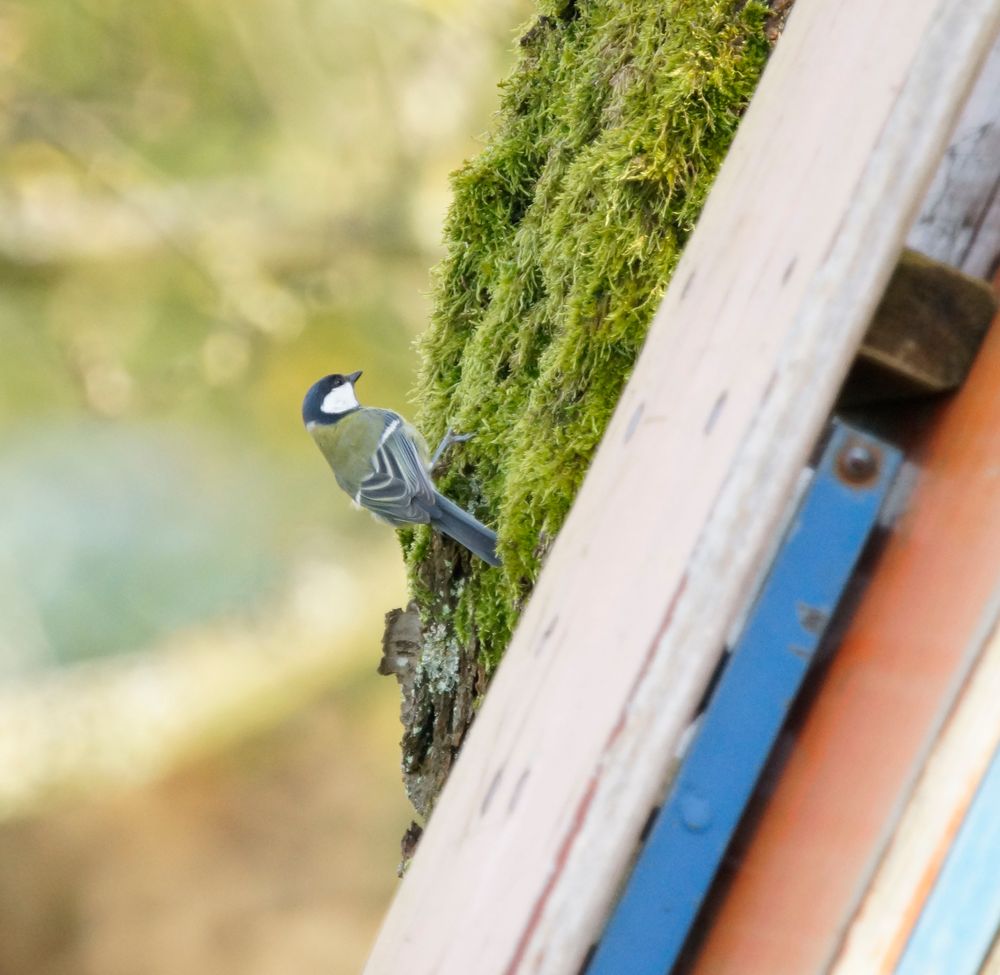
[398, 489]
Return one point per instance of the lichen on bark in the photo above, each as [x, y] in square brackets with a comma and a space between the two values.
[561, 239]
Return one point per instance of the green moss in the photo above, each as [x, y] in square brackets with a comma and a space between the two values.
[561, 239]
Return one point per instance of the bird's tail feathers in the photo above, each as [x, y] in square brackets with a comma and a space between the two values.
[449, 518]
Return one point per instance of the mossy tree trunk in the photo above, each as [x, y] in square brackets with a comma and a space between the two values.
[561, 239]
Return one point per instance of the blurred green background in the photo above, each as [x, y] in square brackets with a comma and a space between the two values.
[204, 206]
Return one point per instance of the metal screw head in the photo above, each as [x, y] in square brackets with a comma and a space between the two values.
[858, 463]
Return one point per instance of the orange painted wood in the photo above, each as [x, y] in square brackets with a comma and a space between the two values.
[880, 708]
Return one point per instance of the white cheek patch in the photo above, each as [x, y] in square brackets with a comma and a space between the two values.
[340, 399]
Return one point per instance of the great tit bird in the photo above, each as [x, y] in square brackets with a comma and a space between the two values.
[382, 463]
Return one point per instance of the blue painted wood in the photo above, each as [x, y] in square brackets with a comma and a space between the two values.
[961, 918]
[744, 715]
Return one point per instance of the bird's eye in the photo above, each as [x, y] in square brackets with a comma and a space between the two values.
[337, 382]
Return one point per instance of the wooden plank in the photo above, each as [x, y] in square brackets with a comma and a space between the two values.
[960, 220]
[961, 918]
[925, 333]
[932, 818]
[572, 748]
[918, 629]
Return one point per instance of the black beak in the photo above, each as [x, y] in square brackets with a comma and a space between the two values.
[354, 377]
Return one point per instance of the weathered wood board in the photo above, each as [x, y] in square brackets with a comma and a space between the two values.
[959, 222]
[573, 746]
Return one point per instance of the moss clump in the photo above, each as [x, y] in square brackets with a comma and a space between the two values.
[561, 239]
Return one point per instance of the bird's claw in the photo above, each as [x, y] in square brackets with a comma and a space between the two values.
[446, 441]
